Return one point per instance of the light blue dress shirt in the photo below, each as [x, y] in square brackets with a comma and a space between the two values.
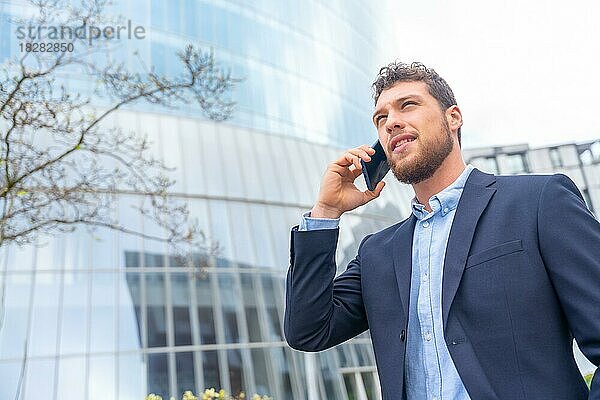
[429, 370]
[430, 373]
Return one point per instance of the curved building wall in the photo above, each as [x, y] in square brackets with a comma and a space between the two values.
[95, 315]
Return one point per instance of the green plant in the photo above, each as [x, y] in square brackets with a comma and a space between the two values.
[588, 378]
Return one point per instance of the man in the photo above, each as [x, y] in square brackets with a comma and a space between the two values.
[479, 293]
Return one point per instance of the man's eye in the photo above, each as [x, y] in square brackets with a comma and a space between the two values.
[380, 119]
[408, 103]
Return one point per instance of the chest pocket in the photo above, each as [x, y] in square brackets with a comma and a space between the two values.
[491, 253]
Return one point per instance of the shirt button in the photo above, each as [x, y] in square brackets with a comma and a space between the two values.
[424, 278]
[446, 210]
[425, 224]
[428, 336]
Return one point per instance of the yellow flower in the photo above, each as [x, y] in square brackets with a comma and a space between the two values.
[153, 396]
[188, 395]
[209, 394]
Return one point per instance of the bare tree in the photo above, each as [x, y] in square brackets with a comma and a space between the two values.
[61, 166]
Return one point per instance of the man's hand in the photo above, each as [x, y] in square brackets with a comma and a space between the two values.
[338, 193]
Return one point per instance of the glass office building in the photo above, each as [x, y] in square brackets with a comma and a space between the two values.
[103, 315]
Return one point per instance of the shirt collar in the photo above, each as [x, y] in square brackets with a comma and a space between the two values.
[444, 201]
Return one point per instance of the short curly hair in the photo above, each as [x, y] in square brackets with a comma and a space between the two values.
[415, 72]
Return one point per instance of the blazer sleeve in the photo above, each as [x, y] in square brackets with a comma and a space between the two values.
[569, 238]
[321, 312]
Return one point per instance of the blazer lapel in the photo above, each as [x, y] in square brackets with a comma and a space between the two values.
[474, 199]
[402, 255]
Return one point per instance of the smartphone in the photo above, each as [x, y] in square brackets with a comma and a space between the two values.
[377, 168]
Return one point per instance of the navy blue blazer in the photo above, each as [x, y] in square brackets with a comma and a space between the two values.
[521, 280]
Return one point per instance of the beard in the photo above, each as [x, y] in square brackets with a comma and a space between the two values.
[430, 156]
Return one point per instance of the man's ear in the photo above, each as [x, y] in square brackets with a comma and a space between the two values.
[454, 118]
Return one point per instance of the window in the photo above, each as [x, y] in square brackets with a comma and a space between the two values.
[555, 157]
[514, 163]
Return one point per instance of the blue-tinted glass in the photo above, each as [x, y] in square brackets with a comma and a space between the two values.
[103, 316]
[39, 378]
[75, 313]
[158, 374]
[45, 315]
[205, 311]
[206, 22]
[9, 375]
[253, 324]
[230, 302]
[71, 378]
[236, 372]
[159, 54]
[282, 366]
[261, 376]
[328, 373]
[185, 372]
[131, 377]
[174, 11]
[159, 14]
[210, 368]
[155, 297]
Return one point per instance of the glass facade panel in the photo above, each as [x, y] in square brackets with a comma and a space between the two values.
[158, 374]
[103, 319]
[236, 372]
[9, 372]
[369, 383]
[45, 315]
[210, 368]
[205, 310]
[71, 378]
[181, 310]
[101, 376]
[39, 378]
[351, 388]
[185, 372]
[231, 305]
[155, 310]
[250, 291]
[131, 376]
[261, 375]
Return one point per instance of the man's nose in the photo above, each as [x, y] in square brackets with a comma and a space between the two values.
[394, 122]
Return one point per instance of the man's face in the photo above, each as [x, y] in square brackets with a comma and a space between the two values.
[413, 131]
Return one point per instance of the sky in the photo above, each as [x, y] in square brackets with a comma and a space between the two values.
[522, 72]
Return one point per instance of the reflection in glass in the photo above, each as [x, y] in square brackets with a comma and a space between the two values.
[133, 284]
[230, 302]
[131, 377]
[185, 372]
[236, 376]
[181, 310]
[369, 383]
[71, 379]
[39, 377]
[205, 310]
[101, 378]
[210, 368]
[351, 386]
[261, 376]
[155, 309]
[158, 374]
[281, 364]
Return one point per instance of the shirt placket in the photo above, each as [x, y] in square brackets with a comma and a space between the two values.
[426, 309]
